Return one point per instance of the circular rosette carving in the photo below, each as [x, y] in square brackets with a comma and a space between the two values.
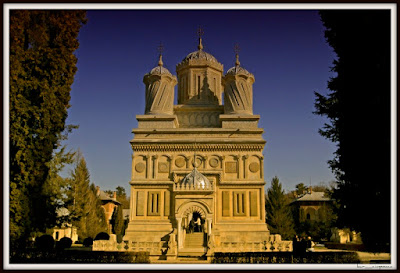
[254, 167]
[214, 162]
[140, 167]
[180, 162]
[162, 167]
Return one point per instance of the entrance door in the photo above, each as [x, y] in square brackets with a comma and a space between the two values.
[195, 235]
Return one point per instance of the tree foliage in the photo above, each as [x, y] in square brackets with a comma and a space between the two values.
[86, 213]
[277, 209]
[358, 110]
[121, 196]
[301, 188]
[55, 187]
[42, 69]
[117, 220]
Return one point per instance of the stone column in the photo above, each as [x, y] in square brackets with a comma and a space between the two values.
[155, 161]
[180, 237]
[133, 167]
[245, 157]
[205, 162]
[147, 157]
[209, 221]
[237, 158]
[223, 165]
[187, 160]
[170, 161]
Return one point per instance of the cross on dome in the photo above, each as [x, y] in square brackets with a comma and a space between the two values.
[200, 32]
[236, 49]
[160, 50]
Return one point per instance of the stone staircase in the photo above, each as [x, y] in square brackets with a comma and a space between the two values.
[194, 240]
[194, 245]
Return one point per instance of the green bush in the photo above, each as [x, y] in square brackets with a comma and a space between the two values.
[64, 242]
[77, 256]
[102, 236]
[45, 242]
[88, 242]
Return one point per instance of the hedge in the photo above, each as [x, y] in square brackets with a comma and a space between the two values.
[285, 257]
[77, 256]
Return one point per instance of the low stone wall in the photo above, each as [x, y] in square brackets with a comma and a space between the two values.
[154, 248]
[282, 246]
[159, 248]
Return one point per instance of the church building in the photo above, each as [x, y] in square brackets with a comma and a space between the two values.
[197, 184]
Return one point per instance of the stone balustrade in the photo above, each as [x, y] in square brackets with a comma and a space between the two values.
[154, 248]
[193, 187]
[282, 246]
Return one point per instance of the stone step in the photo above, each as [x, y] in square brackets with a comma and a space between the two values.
[194, 240]
[192, 252]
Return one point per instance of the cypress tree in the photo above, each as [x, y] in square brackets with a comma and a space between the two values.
[279, 218]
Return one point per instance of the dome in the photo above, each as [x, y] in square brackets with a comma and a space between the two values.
[200, 54]
[236, 70]
[197, 180]
[160, 69]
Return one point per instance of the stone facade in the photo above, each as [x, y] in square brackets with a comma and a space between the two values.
[313, 206]
[198, 159]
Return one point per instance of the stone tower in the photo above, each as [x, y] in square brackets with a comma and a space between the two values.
[197, 184]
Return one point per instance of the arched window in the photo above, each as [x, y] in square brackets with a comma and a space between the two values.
[308, 216]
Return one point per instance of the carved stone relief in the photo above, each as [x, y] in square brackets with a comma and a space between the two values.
[199, 119]
[254, 167]
[140, 167]
[180, 162]
[214, 162]
[163, 167]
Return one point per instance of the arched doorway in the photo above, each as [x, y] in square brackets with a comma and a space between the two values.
[194, 225]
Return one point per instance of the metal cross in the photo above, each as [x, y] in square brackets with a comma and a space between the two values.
[236, 48]
[160, 48]
[200, 31]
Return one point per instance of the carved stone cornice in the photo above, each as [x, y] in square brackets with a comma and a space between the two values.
[198, 147]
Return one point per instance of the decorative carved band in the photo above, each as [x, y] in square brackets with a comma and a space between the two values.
[197, 147]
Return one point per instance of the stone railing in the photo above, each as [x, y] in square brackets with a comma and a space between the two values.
[154, 248]
[192, 187]
[282, 246]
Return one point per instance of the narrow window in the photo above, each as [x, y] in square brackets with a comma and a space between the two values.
[215, 86]
[242, 197]
[198, 87]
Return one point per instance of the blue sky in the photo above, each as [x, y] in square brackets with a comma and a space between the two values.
[285, 50]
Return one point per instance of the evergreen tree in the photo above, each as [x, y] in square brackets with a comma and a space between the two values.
[301, 189]
[122, 198]
[79, 197]
[358, 109]
[42, 69]
[86, 213]
[96, 221]
[118, 221]
[55, 186]
[279, 219]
